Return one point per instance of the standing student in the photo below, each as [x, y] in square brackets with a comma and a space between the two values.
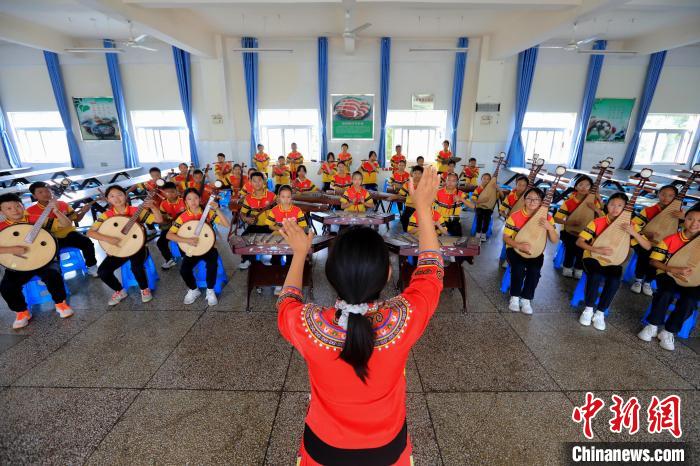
[512, 197]
[170, 208]
[66, 237]
[222, 168]
[194, 212]
[448, 203]
[261, 160]
[356, 198]
[182, 178]
[341, 180]
[345, 156]
[12, 282]
[301, 183]
[405, 191]
[397, 157]
[451, 165]
[443, 156]
[471, 173]
[573, 255]
[117, 199]
[285, 209]
[369, 169]
[151, 184]
[280, 173]
[644, 272]
[609, 275]
[525, 272]
[420, 161]
[357, 414]
[482, 216]
[327, 170]
[294, 159]
[667, 288]
[254, 210]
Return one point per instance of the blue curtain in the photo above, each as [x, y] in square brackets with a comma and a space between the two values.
[323, 92]
[384, 96]
[59, 92]
[527, 59]
[656, 64]
[184, 83]
[595, 65]
[697, 156]
[250, 71]
[457, 86]
[7, 145]
[131, 158]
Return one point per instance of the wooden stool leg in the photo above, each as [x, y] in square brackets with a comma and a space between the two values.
[462, 284]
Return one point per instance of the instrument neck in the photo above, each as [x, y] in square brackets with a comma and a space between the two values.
[134, 218]
[31, 236]
[684, 190]
[629, 207]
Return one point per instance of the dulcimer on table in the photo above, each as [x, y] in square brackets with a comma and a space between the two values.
[406, 244]
[271, 243]
[317, 197]
[353, 218]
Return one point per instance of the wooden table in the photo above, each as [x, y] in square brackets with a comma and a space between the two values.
[23, 178]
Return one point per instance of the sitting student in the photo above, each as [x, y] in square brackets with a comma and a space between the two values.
[254, 213]
[405, 191]
[356, 198]
[202, 185]
[451, 165]
[443, 156]
[667, 288]
[280, 173]
[573, 255]
[222, 168]
[438, 223]
[327, 170]
[512, 197]
[301, 183]
[644, 272]
[13, 280]
[262, 160]
[345, 156]
[358, 406]
[66, 237]
[194, 212]
[182, 178]
[171, 207]
[294, 159]
[283, 210]
[397, 157]
[482, 215]
[471, 173]
[151, 184]
[420, 161]
[369, 169]
[448, 203]
[399, 177]
[248, 185]
[609, 275]
[341, 180]
[117, 199]
[525, 272]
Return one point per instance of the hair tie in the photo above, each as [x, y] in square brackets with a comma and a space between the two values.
[347, 309]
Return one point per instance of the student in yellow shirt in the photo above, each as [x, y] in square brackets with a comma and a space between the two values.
[369, 169]
[280, 173]
[416, 174]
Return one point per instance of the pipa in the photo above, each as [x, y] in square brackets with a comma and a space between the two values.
[201, 230]
[488, 197]
[583, 214]
[532, 232]
[687, 256]
[664, 223]
[40, 244]
[614, 236]
[535, 168]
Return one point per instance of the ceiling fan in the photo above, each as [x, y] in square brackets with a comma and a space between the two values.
[575, 46]
[132, 42]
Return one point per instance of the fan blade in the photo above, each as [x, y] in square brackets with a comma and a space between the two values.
[93, 50]
[586, 41]
[359, 28]
[608, 52]
[150, 49]
[139, 38]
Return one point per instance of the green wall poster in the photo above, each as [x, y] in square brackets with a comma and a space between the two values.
[97, 117]
[609, 120]
[352, 116]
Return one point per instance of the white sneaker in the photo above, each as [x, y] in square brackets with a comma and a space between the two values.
[278, 290]
[117, 297]
[192, 296]
[212, 300]
[586, 317]
[525, 307]
[146, 295]
[21, 320]
[92, 271]
[244, 265]
[647, 289]
[636, 287]
[514, 304]
[483, 237]
[648, 332]
[169, 264]
[504, 265]
[266, 262]
[567, 272]
[666, 340]
[578, 273]
[599, 320]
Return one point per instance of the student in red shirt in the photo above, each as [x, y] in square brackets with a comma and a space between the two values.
[301, 183]
[294, 159]
[222, 168]
[151, 184]
[397, 157]
[345, 156]
[327, 170]
[356, 351]
[356, 198]
[482, 215]
[285, 209]
[443, 156]
[254, 213]
[183, 177]
[341, 180]
[171, 207]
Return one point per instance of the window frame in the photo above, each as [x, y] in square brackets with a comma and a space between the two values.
[184, 139]
[21, 139]
[313, 132]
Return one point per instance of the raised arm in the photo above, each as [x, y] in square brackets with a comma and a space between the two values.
[423, 196]
[300, 243]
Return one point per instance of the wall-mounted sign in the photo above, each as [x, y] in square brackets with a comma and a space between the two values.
[352, 116]
[609, 120]
[422, 101]
[97, 117]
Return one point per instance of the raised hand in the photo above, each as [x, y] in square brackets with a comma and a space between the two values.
[296, 237]
[424, 194]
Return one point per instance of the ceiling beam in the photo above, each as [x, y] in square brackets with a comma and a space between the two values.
[670, 37]
[19, 31]
[175, 26]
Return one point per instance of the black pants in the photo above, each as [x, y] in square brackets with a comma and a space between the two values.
[163, 244]
[524, 274]
[249, 230]
[14, 280]
[370, 186]
[643, 271]
[82, 242]
[406, 216]
[112, 263]
[573, 255]
[482, 218]
[454, 227]
[609, 275]
[666, 289]
[326, 185]
[211, 261]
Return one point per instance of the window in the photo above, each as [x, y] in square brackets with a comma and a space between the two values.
[548, 134]
[40, 137]
[666, 138]
[418, 132]
[280, 128]
[161, 135]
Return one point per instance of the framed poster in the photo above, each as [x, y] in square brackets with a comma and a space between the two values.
[352, 116]
[97, 117]
[609, 120]
[422, 101]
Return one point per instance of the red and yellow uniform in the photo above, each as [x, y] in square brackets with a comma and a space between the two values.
[646, 214]
[475, 194]
[395, 159]
[369, 170]
[444, 175]
[471, 175]
[344, 411]
[356, 198]
[305, 186]
[404, 192]
[262, 162]
[146, 215]
[346, 158]
[665, 249]
[172, 210]
[508, 203]
[341, 181]
[448, 204]
[257, 206]
[281, 174]
[598, 226]
[442, 158]
[149, 185]
[398, 177]
[34, 211]
[277, 214]
[188, 216]
[437, 220]
[222, 170]
[181, 180]
[516, 221]
[50, 225]
[294, 159]
[328, 169]
[237, 183]
[569, 205]
[207, 189]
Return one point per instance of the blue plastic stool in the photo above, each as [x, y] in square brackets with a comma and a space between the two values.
[580, 292]
[503, 253]
[559, 256]
[688, 325]
[629, 275]
[71, 259]
[200, 275]
[489, 231]
[505, 281]
[128, 279]
[225, 198]
[35, 292]
[174, 249]
[270, 185]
